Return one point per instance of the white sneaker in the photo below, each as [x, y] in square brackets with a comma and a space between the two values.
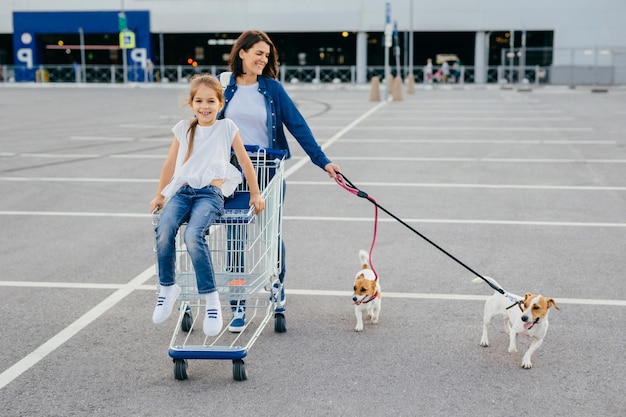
[213, 321]
[165, 303]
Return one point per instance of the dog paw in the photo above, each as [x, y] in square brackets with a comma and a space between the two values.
[484, 343]
[512, 349]
[527, 365]
[358, 329]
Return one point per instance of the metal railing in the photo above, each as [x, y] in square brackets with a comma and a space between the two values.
[502, 74]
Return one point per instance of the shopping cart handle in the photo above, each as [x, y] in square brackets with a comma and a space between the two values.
[279, 153]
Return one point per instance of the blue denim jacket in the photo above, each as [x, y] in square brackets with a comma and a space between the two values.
[281, 110]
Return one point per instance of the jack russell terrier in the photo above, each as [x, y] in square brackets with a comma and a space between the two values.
[367, 294]
[529, 318]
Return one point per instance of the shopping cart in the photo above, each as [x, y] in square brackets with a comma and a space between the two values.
[245, 251]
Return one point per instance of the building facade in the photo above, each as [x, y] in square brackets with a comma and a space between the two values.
[573, 41]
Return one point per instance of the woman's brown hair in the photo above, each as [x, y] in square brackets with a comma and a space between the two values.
[245, 41]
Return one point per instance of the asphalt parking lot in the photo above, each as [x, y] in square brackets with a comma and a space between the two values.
[528, 187]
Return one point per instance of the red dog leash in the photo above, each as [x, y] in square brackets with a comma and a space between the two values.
[348, 186]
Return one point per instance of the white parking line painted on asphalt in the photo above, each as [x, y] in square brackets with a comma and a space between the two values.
[453, 297]
[59, 155]
[64, 335]
[313, 293]
[472, 128]
[459, 221]
[507, 160]
[130, 156]
[102, 138]
[446, 118]
[67, 179]
[329, 183]
[336, 219]
[73, 214]
[446, 110]
[485, 141]
[167, 127]
[74, 285]
[452, 185]
[303, 160]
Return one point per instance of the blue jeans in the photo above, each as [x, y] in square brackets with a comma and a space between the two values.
[199, 208]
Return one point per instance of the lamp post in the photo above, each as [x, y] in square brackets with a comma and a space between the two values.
[411, 38]
[388, 44]
[122, 26]
[83, 70]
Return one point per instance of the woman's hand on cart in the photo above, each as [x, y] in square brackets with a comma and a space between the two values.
[257, 202]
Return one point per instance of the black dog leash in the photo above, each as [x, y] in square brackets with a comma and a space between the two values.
[349, 186]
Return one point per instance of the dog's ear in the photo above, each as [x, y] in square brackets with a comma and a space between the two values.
[551, 303]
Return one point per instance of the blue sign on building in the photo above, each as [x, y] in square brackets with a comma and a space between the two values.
[28, 49]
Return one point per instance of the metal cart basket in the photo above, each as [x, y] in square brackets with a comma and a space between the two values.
[245, 251]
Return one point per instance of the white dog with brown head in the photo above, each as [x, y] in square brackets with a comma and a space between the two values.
[367, 294]
[529, 318]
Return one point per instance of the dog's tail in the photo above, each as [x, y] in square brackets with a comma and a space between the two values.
[480, 281]
[365, 259]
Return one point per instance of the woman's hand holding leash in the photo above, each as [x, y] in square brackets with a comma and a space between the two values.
[332, 170]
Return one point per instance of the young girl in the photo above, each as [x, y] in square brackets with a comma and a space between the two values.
[195, 177]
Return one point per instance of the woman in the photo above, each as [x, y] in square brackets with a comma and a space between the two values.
[261, 108]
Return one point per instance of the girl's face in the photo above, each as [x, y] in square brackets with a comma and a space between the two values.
[205, 105]
[255, 58]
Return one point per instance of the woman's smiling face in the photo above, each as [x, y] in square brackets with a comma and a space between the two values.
[255, 59]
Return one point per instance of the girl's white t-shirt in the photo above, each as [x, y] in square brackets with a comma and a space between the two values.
[209, 160]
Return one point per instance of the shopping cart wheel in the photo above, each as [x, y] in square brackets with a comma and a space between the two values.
[187, 322]
[280, 324]
[239, 370]
[180, 369]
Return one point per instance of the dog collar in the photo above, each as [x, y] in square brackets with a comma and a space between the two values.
[367, 300]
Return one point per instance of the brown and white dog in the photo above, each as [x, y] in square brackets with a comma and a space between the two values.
[528, 318]
[367, 295]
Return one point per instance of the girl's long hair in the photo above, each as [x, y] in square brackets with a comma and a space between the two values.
[245, 41]
[194, 84]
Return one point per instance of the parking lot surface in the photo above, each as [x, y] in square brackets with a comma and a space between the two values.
[528, 187]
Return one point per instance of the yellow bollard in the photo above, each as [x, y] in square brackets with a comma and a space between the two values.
[375, 89]
[396, 88]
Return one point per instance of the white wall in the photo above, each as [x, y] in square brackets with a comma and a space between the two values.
[577, 23]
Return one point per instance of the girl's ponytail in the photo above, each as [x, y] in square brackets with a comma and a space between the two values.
[191, 132]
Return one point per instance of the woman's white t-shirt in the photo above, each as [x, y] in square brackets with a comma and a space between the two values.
[209, 160]
[247, 110]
